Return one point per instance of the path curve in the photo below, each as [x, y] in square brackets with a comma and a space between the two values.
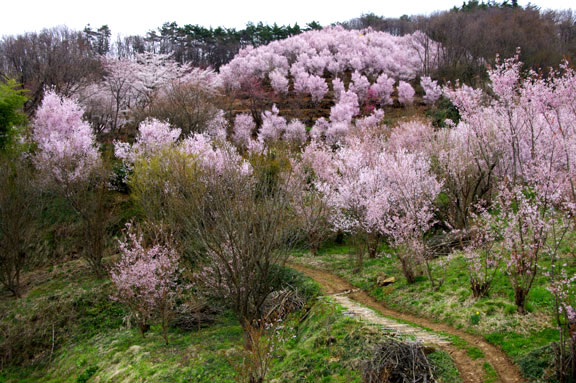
[470, 370]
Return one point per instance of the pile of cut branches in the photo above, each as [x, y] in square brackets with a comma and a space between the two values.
[398, 362]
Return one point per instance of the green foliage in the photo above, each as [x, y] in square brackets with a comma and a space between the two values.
[535, 363]
[12, 102]
[442, 110]
[87, 374]
[64, 306]
[286, 277]
[490, 372]
[445, 370]
[324, 347]
[475, 318]
[119, 178]
[475, 5]
[268, 167]
[474, 352]
[517, 345]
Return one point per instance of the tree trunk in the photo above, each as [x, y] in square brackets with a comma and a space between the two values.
[407, 270]
[520, 299]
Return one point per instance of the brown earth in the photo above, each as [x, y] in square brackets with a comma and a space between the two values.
[471, 371]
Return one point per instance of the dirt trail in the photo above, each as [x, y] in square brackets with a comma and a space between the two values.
[471, 371]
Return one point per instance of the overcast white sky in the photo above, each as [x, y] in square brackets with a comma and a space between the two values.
[139, 16]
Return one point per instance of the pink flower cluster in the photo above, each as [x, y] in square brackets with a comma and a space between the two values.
[373, 190]
[334, 50]
[275, 128]
[405, 93]
[432, 91]
[145, 278]
[153, 136]
[67, 146]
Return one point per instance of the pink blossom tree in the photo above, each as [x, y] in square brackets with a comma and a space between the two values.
[67, 151]
[244, 126]
[523, 136]
[563, 288]
[308, 63]
[70, 165]
[308, 202]
[145, 278]
[375, 193]
[279, 81]
[383, 88]
[482, 260]
[524, 223]
[341, 116]
[413, 190]
[131, 86]
[153, 136]
[354, 187]
[318, 131]
[405, 93]
[359, 85]
[295, 132]
[273, 126]
[432, 91]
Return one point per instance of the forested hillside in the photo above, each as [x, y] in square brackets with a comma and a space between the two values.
[379, 200]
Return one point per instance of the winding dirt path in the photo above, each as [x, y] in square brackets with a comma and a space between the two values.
[471, 371]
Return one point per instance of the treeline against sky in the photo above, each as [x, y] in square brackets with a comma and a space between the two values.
[470, 37]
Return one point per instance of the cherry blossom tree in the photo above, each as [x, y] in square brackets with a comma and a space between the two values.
[522, 134]
[306, 64]
[309, 203]
[383, 88]
[279, 81]
[146, 86]
[524, 224]
[335, 50]
[413, 189]
[354, 188]
[432, 91]
[405, 93]
[244, 126]
[359, 85]
[375, 193]
[482, 260]
[145, 278]
[67, 151]
[563, 288]
[153, 136]
[341, 116]
[273, 126]
[70, 165]
[295, 132]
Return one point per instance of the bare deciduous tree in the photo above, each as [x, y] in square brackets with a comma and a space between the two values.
[20, 205]
[236, 224]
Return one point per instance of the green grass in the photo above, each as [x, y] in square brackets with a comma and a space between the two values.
[445, 371]
[93, 343]
[490, 372]
[475, 353]
[123, 355]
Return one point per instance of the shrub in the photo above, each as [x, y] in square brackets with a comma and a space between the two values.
[11, 111]
[20, 207]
